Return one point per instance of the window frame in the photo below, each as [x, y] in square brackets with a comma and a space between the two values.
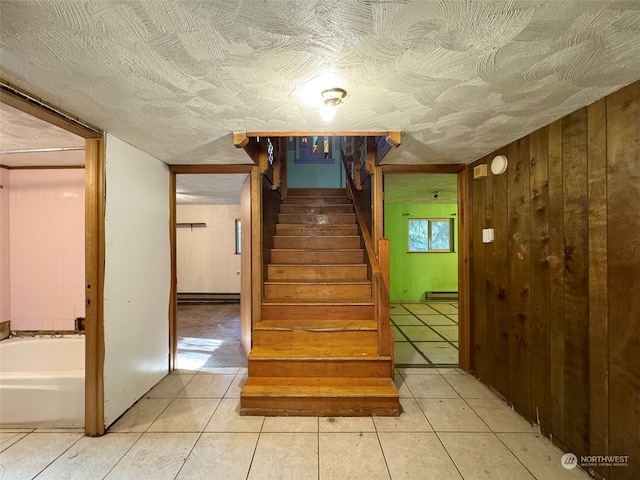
[430, 221]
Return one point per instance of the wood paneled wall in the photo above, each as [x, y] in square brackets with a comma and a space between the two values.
[556, 297]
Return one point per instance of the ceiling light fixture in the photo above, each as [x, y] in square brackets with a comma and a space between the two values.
[332, 98]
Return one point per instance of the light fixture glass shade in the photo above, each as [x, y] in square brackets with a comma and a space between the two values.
[328, 111]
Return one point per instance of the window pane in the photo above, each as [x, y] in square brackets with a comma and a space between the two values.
[238, 236]
[418, 235]
[440, 235]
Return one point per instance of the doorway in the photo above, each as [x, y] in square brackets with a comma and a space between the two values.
[208, 252]
[421, 222]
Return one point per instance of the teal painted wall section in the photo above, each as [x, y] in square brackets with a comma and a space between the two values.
[413, 274]
[300, 175]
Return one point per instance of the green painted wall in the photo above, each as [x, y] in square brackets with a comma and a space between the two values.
[413, 274]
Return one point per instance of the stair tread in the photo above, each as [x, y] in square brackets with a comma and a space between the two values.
[304, 281]
[315, 250]
[319, 387]
[316, 325]
[318, 301]
[315, 353]
[316, 265]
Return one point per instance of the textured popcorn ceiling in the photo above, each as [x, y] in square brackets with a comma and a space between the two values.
[458, 78]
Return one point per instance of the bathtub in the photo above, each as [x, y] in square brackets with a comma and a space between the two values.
[42, 382]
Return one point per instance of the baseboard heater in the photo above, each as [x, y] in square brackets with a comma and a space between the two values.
[195, 298]
[441, 295]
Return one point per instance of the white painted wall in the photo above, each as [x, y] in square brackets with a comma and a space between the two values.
[137, 275]
[206, 259]
[5, 290]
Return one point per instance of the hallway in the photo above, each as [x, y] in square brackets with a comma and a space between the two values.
[188, 427]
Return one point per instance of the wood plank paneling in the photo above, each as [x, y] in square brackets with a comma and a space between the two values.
[479, 350]
[539, 191]
[564, 279]
[598, 323]
[556, 280]
[519, 253]
[500, 282]
[464, 276]
[576, 280]
[623, 275]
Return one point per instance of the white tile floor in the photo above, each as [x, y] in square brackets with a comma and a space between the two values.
[188, 427]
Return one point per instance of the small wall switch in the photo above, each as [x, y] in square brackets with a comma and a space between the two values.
[480, 171]
[487, 235]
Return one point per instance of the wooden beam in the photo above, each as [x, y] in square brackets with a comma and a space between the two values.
[37, 108]
[209, 168]
[439, 168]
[240, 139]
[173, 292]
[94, 284]
[337, 133]
[394, 139]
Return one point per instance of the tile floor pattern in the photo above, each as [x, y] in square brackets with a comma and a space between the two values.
[188, 427]
[425, 334]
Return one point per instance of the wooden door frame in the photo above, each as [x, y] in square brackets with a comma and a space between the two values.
[464, 284]
[174, 170]
[94, 242]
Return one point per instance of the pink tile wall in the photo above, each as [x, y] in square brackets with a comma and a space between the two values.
[46, 230]
[5, 291]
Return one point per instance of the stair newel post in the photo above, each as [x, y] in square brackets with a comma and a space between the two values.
[382, 299]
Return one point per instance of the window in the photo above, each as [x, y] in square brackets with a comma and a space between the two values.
[427, 235]
[238, 236]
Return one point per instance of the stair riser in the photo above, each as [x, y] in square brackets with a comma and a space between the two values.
[320, 407]
[317, 192]
[324, 272]
[292, 208]
[323, 243]
[364, 338]
[352, 368]
[299, 257]
[316, 230]
[317, 312]
[317, 219]
[319, 291]
[317, 201]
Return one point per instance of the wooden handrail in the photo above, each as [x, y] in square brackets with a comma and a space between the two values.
[379, 271]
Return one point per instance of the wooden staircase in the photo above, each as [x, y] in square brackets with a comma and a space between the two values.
[315, 350]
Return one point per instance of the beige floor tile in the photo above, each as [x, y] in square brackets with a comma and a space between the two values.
[218, 370]
[407, 355]
[285, 456]
[25, 459]
[436, 319]
[469, 387]
[450, 332]
[451, 415]
[347, 456]
[397, 334]
[499, 416]
[540, 456]
[482, 456]
[139, 417]
[417, 456]
[451, 371]
[290, 424]
[9, 438]
[169, 386]
[346, 424]
[411, 419]
[91, 458]
[156, 456]
[220, 455]
[236, 386]
[429, 386]
[418, 371]
[405, 320]
[454, 318]
[403, 390]
[444, 308]
[59, 430]
[419, 308]
[207, 386]
[185, 415]
[227, 418]
[420, 333]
